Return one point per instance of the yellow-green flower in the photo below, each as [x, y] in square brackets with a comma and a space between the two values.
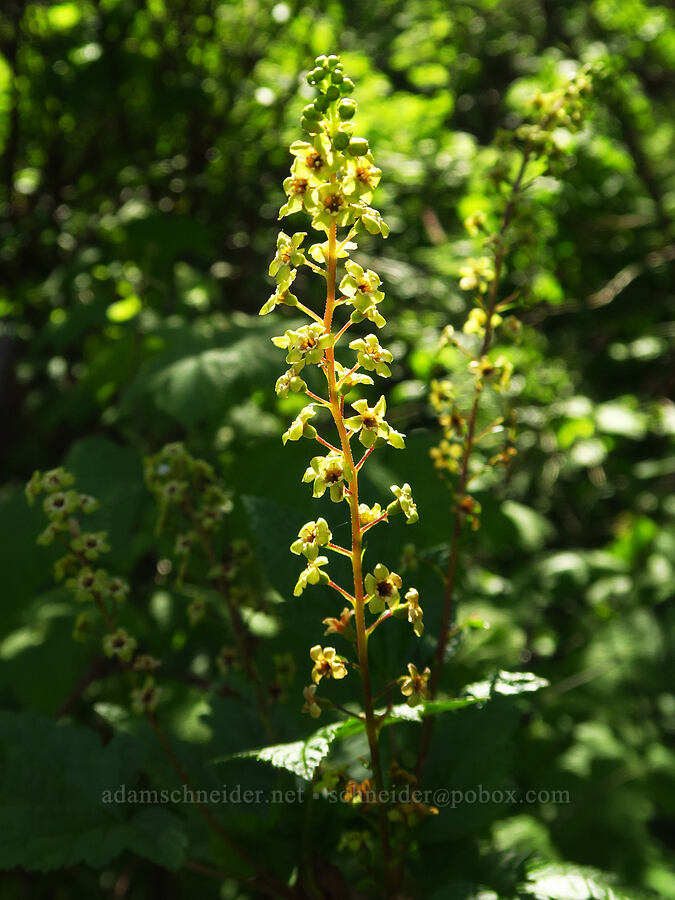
[382, 586]
[299, 192]
[319, 252]
[327, 472]
[61, 504]
[89, 585]
[363, 289]
[146, 698]
[371, 220]
[90, 545]
[369, 514]
[310, 705]
[305, 346]
[288, 257]
[117, 588]
[312, 574]
[475, 223]
[371, 355]
[363, 177]
[332, 207]
[476, 274]
[312, 536]
[499, 371]
[313, 161]
[415, 614]
[371, 425]
[348, 379]
[414, 685]
[361, 283]
[300, 426]
[404, 503]
[120, 645]
[282, 294]
[289, 381]
[327, 664]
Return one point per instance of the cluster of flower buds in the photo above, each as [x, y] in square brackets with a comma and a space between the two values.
[188, 487]
[332, 179]
[91, 585]
[551, 110]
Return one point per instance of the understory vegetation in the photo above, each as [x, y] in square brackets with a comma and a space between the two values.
[337, 516]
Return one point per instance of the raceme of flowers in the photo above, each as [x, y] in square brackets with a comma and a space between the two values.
[534, 142]
[332, 180]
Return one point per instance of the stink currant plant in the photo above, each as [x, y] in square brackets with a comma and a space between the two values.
[333, 177]
[101, 594]
[472, 447]
[192, 498]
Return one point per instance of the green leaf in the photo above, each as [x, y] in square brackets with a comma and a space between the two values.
[506, 684]
[564, 881]
[158, 835]
[190, 380]
[57, 807]
[300, 757]
[303, 757]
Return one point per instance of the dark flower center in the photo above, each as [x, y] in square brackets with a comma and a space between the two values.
[333, 203]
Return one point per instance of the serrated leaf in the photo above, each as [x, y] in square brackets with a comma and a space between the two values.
[303, 757]
[53, 809]
[299, 757]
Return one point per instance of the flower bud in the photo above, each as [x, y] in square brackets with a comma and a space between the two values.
[332, 61]
[311, 112]
[347, 109]
[315, 76]
[321, 103]
[332, 92]
[310, 126]
[336, 77]
[347, 86]
[358, 146]
[341, 140]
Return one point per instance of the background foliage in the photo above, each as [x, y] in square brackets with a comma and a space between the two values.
[143, 148]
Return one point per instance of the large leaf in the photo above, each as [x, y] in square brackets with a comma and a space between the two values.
[302, 757]
[58, 786]
[195, 378]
